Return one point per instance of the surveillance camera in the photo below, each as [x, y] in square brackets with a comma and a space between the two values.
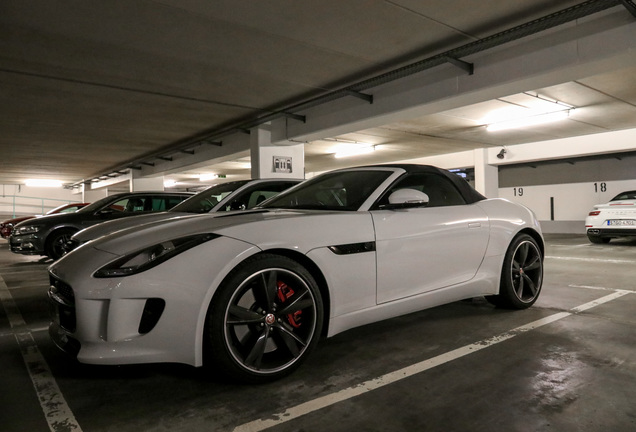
[501, 154]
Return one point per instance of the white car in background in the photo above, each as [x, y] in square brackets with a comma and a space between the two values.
[615, 219]
[250, 293]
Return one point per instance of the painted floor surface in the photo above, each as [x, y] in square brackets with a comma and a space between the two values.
[566, 364]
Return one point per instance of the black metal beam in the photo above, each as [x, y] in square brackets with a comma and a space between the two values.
[463, 65]
[300, 118]
[214, 143]
[359, 95]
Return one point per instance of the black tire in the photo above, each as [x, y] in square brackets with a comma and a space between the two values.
[597, 239]
[56, 241]
[521, 274]
[264, 320]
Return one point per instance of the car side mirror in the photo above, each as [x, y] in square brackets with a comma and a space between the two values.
[407, 198]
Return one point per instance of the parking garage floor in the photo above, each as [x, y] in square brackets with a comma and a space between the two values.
[566, 364]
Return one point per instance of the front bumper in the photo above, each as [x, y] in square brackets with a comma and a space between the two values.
[154, 316]
[30, 244]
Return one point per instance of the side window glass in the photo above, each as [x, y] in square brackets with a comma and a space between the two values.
[255, 195]
[265, 192]
[441, 191]
[159, 203]
[170, 202]
[135, 205]
[119, 206]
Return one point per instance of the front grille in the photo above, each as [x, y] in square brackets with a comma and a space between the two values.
[62, 290]
[62, 304]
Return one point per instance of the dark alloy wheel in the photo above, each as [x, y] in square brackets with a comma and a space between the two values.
[521, 275]
[56, 243]
[265, 319]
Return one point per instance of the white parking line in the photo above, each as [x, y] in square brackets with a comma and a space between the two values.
[612, 261]
[596, 288]
[367, 386]
[56, 411]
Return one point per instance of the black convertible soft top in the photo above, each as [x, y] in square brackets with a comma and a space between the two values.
[469, 193]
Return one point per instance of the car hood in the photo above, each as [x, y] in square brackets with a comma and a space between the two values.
[16, 220]
[109, 227]
[53, 219]
[301, 230]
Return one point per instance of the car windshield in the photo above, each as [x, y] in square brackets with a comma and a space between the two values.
[205, 201]
[345, 191]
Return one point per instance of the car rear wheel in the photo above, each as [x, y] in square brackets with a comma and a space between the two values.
[264, 320]
[56, 243]
[521, 275]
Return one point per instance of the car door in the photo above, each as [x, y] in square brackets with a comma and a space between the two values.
[427, 248]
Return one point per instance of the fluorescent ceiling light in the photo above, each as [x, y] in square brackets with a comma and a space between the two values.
[43, 183]
[169, 183]
[354, 151]
[206, 177]
[530, 121]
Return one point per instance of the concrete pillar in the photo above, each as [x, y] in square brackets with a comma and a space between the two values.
[91, 195]
[486, 176]
[275, 161]
[146, 184]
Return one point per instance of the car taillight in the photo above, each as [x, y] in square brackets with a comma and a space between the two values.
[594, 213]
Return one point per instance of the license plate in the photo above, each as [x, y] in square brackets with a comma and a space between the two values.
[621, 222]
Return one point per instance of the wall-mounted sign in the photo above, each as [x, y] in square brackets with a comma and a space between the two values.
[282, 164]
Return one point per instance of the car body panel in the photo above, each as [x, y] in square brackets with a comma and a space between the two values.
[345, 251]
[413, 244]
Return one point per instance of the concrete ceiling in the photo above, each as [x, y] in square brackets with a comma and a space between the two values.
[89, 86]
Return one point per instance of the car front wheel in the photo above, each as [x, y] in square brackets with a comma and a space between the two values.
[521, 275]
[264, 320]
[56, 243]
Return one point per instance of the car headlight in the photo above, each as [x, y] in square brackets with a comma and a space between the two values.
[29, 229]
[152, 256]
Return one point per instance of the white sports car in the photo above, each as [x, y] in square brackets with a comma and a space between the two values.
[250, 293]
[617, 218]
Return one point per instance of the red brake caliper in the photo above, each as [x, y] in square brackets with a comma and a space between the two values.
[284, 292]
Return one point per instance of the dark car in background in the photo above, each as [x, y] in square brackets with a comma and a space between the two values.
[6, 227]
[224, 197]
[47, 235]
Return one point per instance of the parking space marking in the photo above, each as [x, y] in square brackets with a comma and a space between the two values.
[56, 411]
[612, 261]
[596, 288]
[392, 377]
